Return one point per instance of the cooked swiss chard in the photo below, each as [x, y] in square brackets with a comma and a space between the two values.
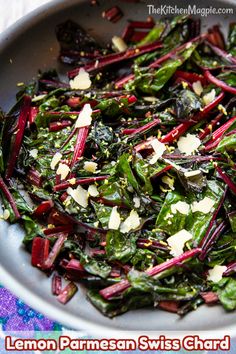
[123, 176]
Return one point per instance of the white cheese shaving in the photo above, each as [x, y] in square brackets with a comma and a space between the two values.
[177, 242]
[209, 97]
[188, 144]
[215, 274]
[152, 99]
[159, 148]
[38, 98]
[131, 223]
[169, 181]
[81, 81]
[34, 153]
[197, 88]
[84, 119]
[119, 43]
[188, 45]
[56, 158]
[72, 180]
[6, 214]
[90, 166]
[63, 170]
[114, 220]
[222, 109]
[192, 173]
[92, 190]
[181, 207]
[79, 195]
[204, 206]
[136, 201]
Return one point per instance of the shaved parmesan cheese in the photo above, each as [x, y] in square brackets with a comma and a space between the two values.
[159, 148]
[84, 118]
[56, 158]
[81, 81]
[92, 190]
[63, 170]
[177, 242]
[222, 109]
[188, 45]
[215, 274]
[38, 98]
[152, 99]
[34, 153]
[188, 144]
[72, 180]
[209, 97]
[119, 43]
[136, 201]
[204, 206]
[197, 88]
[90, 166]
[6, 214]
[114, 220]
[181, 207]
[79, 195]
[192, 173]
[169, 181]
[131, 223]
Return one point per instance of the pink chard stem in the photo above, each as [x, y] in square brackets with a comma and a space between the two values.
[118, 288]
[22, 120]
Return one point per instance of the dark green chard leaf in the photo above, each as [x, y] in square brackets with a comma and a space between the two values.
[154, 34]
[228, 143]
[145, 172]
[198, 222]
[111, 107]
[73, 247]
[153, 82]
[126, 171]
[231, 45]
[166, 220]
[170, 32]
[102, 136]
[187, 103]
[114, 193]
[195, 183]
[232, 220]
[21, 203]
[117, 307]
[120, 247]
[229, 77]
[224, 250]
[102, 212]
[207, 61]
[143, 259]
[31, 228]
[95, 267]
[48, 104]
[142, 282]
[29, 89]
[227, 295]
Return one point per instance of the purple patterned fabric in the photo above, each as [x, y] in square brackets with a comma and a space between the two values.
[15, 315]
